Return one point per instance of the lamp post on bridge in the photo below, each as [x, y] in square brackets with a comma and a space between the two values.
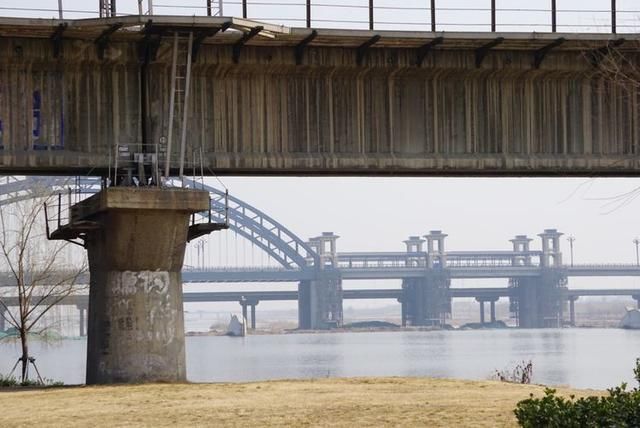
[571, 240]
[637, 242]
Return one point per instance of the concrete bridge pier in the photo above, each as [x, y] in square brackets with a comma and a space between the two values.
[252, 303]
[637, 299]
[492, 305]
[572, 310]
[320, 302]
[82, 311]
[427, 299]
[2, 322]
[539, 300]
[136, 239]
[403, 311]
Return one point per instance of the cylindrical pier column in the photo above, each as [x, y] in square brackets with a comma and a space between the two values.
[481, 311]
[245, 317]
[136, 239]
[493, 311]
[572, 311]
[2, 323]
[253, 317]
[83, 321]
[403, 311]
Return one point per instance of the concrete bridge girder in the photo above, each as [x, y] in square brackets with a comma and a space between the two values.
[392, 117]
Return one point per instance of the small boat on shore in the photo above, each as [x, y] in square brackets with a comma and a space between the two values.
[631, 319]
[237, 328]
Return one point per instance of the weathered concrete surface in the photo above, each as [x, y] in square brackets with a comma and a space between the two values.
[320, 302]
[426, 300]
[539, 301]
[329, 115]
[136, 323]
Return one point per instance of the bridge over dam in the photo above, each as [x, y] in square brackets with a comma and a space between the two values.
[537, 278]
[251, 299]
[138, 99]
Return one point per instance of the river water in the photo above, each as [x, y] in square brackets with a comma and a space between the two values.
[582, 358]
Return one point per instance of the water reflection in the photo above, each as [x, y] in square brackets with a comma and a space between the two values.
[590, 358]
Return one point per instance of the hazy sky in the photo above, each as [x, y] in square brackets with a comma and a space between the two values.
[521, 15]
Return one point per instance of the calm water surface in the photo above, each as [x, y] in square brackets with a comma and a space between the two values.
[587, 358]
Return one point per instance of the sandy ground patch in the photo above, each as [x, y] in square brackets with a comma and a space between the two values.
[324, 402]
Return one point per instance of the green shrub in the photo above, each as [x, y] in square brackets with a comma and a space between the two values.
[621, 408]
[12, 381]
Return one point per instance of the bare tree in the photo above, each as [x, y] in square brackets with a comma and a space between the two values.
[39, 273]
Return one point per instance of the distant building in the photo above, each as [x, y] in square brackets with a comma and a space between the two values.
[631, 319]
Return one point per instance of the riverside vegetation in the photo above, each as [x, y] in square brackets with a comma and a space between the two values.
[621, 408]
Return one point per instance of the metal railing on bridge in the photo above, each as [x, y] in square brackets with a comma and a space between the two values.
[607, 16]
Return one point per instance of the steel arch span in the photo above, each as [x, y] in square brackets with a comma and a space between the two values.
[247, 221]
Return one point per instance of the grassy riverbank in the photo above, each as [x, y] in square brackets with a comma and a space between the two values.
[335, 402]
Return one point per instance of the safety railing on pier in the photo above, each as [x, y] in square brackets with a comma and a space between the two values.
[606, 16]
[64, 194]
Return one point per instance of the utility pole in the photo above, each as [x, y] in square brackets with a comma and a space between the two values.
[637, 242]
[571, 240]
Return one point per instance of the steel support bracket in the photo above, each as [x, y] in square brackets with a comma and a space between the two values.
[201, 36]
[424, 50]
[149, 44]
[597, 55]
[237, 46]
[103, 39]
[303, 45]
[363, 48]
[482, 52]
[56, 39]
[541, 53]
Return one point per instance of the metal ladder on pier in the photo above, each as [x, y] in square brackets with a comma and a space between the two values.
[179, 97]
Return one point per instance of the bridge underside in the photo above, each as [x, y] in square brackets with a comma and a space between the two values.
[335, 108]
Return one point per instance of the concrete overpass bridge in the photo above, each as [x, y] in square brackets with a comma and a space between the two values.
[251, 299]
[272, 99]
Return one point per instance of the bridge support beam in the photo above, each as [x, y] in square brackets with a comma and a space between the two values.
[572, 310]
[82, 310]
[427, 299]
[2, 322]
[403, 311]
[253, 317]
[252, 303]
[538, 301]
[492, 306]
[245, 317]
[136, 239]
[320, 302]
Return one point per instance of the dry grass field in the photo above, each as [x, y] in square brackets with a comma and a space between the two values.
[325, 402]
